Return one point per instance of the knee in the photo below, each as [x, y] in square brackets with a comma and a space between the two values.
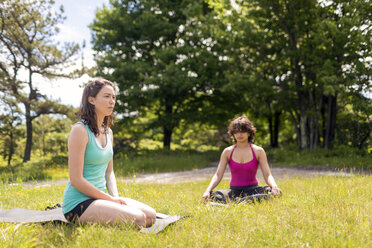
[146, 219]
[140, 220]
[150, 218]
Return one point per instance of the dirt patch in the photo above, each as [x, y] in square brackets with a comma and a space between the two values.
[279, 173]
[196, 175]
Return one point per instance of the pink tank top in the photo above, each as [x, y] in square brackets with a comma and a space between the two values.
[243, 174]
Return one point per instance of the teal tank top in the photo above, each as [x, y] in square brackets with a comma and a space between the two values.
[96, 159]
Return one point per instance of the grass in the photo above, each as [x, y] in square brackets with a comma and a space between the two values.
[318, 212]
[48, 168]
[339, 157]
[164, 161]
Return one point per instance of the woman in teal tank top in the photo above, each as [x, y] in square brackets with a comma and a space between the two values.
[90, 164]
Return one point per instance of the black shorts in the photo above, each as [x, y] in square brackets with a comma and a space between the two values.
[77, 211]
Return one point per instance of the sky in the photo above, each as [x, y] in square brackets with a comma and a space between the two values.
[79, 13]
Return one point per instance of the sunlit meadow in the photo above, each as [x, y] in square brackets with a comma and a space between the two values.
[313, 212]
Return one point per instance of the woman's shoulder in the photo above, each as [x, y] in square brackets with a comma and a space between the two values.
[229, 148]
[79, 129]
[227, 151]
[257, 149]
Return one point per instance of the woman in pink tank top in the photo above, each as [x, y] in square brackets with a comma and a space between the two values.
[243, 158]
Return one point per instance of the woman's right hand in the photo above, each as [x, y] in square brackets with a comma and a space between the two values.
[206, 195]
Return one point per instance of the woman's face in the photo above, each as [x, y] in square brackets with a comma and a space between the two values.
[104, 101]
[241, 136]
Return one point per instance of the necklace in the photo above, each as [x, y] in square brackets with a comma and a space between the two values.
[102, 129]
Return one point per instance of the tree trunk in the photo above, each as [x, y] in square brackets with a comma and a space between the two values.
[28, 147]
[44, 148]
[274, 129]
[362, 140]
[331, 122]
[319, 118]
[323, 117]
[167, 127]
[270, 120]
[298, 79]
[303, 130]
[5, 150]
[27, 103]
[302, 104]
[313, 122]
[311, 129]
[297, 130]
[167, 137]
[11, 146]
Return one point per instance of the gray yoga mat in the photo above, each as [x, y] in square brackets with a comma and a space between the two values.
[22, 215]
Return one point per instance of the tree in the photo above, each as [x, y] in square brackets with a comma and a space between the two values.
[27, 48]
[258, 64]
[10, 119]
[162, 56]
[355, 121]
[53, 134]
[346, 70]
[307, 53]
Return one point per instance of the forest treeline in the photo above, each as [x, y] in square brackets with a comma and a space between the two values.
[300, 69]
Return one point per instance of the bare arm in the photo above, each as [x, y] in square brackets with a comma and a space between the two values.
[217, 177]
[111, 180]
[77, 143]
[266, 172]
[110, 176]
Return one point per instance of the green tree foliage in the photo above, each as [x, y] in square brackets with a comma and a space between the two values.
[10, 120]
[258, 67]
[281, 61]
[27, 48]
[301, 56]
[163, 56]
[52, 134]
[354, 122]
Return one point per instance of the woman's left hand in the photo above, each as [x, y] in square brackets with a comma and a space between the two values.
[120, 200]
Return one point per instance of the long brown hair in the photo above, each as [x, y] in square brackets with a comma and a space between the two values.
[242, 124]
[86, 112]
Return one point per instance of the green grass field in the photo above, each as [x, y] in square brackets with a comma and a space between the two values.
[339, 157]
[317, 212]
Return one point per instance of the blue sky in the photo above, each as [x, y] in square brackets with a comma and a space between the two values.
[79, 13]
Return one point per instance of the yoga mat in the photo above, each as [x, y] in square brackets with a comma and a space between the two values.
[162, 221]
[22, 215]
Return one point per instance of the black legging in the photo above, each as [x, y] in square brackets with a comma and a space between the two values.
[240, 194]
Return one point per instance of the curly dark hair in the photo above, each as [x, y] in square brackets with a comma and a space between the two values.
[86, 112]
[242, 124]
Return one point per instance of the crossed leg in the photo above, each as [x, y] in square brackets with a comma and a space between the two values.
[107, 212]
